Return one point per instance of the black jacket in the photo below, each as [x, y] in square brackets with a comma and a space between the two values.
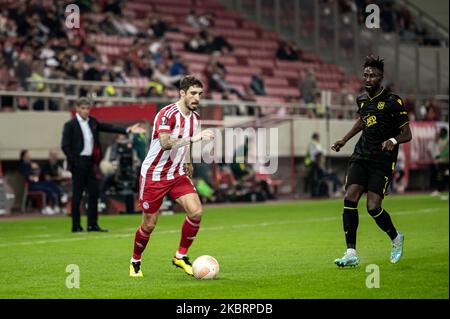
[73, 143]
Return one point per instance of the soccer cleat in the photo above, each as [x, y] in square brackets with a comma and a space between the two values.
[397, 249]
[184, 264]
[135, 269]
[348, 260]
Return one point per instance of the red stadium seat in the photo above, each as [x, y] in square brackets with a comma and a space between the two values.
[274, 82]
[282, 92]
[175, 36]
[243, 70]
[227, 23]
[261, 63]
[237, 79]
[285, 73]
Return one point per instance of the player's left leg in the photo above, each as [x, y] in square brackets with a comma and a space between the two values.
[193, 207]
[186, 196]
[384, 221]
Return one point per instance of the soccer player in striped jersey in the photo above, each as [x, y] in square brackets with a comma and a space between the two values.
[166, 171]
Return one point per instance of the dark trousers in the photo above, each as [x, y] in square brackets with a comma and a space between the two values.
[84, 177]
[50, 188]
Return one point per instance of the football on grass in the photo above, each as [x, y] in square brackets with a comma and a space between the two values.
[205, 267]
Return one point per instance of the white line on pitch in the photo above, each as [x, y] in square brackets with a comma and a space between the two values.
[162, 232]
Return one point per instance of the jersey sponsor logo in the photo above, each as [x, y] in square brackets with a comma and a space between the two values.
[400, 101]
[370, 120]
[380, 105]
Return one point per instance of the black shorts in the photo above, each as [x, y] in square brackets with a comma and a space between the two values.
[374, 176]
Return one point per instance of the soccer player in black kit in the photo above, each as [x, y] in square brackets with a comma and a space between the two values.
[383, 121]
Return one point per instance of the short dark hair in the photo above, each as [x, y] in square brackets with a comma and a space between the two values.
[22, 154]
[83, 101]
[189, 80]
[375, 62]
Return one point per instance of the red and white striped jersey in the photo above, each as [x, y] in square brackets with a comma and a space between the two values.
[160, 165]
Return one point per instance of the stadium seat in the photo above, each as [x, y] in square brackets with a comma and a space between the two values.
[261, 63]
[28, 196]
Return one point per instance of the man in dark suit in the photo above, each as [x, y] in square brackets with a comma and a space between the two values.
[81, 145]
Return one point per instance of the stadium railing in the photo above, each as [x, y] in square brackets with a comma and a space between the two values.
[66, 92]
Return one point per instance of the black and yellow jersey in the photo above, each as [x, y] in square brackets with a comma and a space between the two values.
[381, 117]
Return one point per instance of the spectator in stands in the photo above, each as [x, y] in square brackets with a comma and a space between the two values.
[249, 95]
[7, 101]
[23, 69]
[206, 19]
[93, 73]
[54, 171]
[161, 52]
[6, 74]
[7, 26]
[216, 74]
[45, 104]
[31, 172]
[162, 76]
[108, 24]
[432, 111]
[113, 6]
[315, 108]
[191, 19]
[158, 26]
[200, 21]
[124, 27]
[217, 44]
[257, 84]
[287, 51]
[9, 53]
[387, 16]
[178, 66]
[196, 44]
[308, 87]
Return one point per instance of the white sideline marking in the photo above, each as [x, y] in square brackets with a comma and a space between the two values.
[264, 224]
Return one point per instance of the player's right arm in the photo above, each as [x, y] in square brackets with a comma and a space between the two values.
[357, 127]
[168, 143]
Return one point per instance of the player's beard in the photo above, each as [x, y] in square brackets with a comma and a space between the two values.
[372, 89]
[191, 106]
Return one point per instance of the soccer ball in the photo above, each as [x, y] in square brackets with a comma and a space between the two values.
[205, 267]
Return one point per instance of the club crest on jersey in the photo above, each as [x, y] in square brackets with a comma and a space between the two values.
[380, 105]
[163, 120]
[370, 120]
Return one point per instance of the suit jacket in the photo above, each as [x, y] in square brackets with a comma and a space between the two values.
[72, 142]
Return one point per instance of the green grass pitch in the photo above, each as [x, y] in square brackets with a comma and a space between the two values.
[271, 250]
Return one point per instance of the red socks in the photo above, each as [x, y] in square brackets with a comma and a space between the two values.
[188, 233]
[140, 241]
